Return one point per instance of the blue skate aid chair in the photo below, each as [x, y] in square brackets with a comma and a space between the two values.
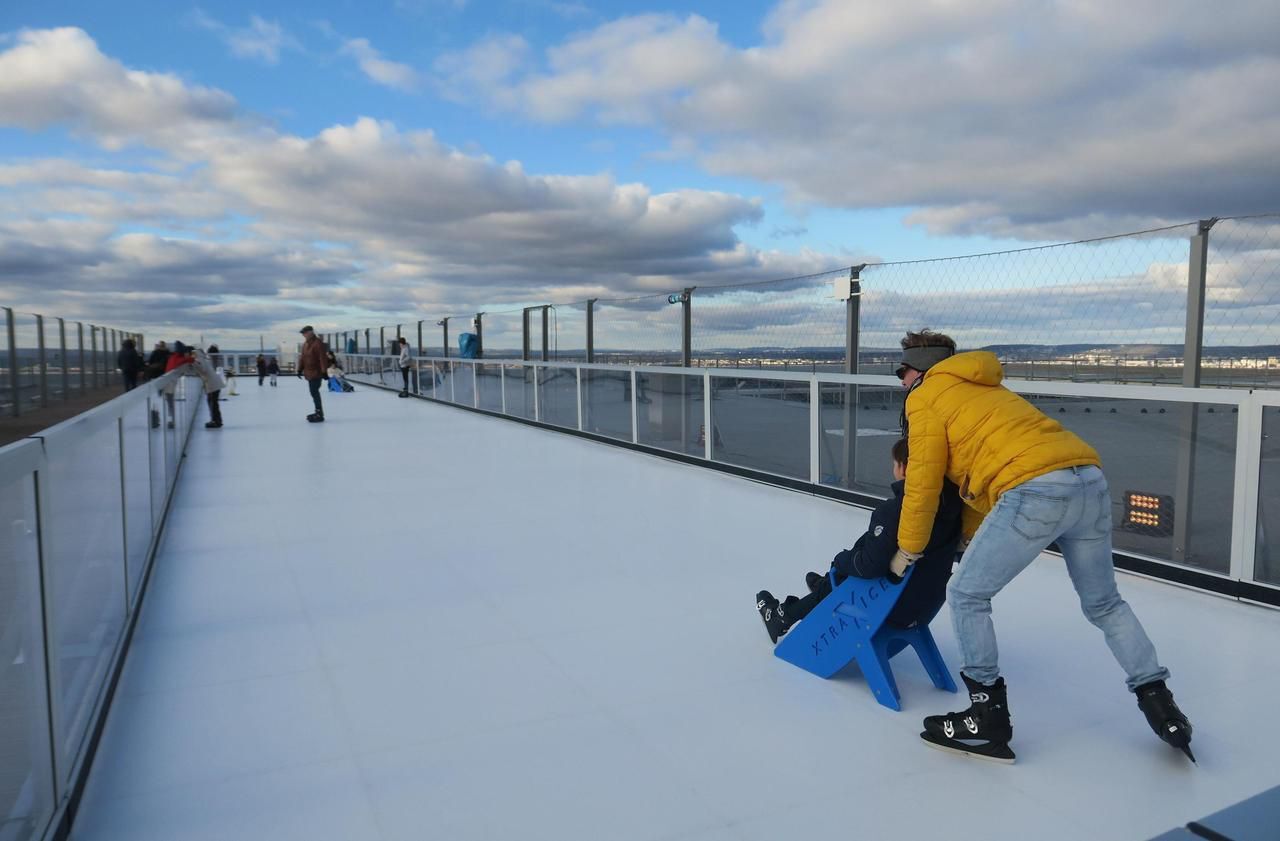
[849, 624]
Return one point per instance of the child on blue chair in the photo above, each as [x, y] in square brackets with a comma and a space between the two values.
[873, 556]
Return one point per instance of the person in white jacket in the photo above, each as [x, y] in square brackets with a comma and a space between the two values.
[213, 384]
[406, 363]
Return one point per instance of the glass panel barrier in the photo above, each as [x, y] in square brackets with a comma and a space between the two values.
[761, 424]
[519, 390]
[606, 403]
[874, 414]
[156, 445]
[136, 460]
[489, 382]
[1267, 563]
[430, 380]
[464, 383]
[670, 411]
[26, 775]
[27, 338]
[558, 396]
[84, 568]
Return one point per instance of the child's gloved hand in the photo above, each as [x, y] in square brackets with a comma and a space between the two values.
[902, 560]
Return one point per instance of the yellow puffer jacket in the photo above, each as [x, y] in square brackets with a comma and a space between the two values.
[964, 426]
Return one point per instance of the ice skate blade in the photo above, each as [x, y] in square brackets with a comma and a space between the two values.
[998, 753]
[1189, 754]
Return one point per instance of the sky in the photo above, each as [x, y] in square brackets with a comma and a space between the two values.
[234, 169]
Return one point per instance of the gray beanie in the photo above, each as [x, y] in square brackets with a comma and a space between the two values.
[924, 358]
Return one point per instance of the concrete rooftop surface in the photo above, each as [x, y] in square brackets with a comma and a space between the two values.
[416, 622]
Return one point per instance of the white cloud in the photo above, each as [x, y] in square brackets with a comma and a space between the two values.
[993, 116]
[391, 74]
[261, 39]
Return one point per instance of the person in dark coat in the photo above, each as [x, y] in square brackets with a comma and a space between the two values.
[157, 361]
[872, 557]
[129, 361]
[262, 369]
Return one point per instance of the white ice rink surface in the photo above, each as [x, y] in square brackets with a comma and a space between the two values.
[414, 622]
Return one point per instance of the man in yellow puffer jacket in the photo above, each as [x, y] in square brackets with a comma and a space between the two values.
[1026, 482]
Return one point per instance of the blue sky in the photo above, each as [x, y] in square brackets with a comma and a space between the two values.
[354, 163]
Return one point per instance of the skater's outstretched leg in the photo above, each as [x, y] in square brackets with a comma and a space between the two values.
[983, 731]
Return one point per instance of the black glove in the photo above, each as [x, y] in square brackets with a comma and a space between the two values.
[299, 373]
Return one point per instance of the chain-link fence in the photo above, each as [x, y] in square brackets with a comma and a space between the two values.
[1107, 309]
[45, 359]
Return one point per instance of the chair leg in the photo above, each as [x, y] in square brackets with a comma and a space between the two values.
[931, 658]
[874, 662]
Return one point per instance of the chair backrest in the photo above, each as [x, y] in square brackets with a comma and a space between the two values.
[871, 599]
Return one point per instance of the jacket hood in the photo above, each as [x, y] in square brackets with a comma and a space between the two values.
[976, 366]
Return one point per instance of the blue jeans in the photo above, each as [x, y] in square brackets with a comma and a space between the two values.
[1072, 507]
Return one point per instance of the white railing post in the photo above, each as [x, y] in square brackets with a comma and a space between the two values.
[706, 414]
[815, 430]
[635, 413]
[1247, 499]
[578, 373]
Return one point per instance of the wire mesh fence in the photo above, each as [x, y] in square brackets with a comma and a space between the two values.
[1107, 309]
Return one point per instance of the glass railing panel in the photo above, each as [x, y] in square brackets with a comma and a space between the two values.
[84, 569]
[519, 390]
[27, 363]
[135, 435]
[430, 380]
[558, 396]
[26, 778]
[858, 425]
[606, 403]
[464, 383]
[1267, 563]
[156, 434]
[762, 424]
[670, 411]
[489, 385]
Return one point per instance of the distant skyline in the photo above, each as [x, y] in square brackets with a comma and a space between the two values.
[238, 168]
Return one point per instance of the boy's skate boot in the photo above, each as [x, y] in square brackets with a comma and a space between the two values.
[775, 622]
[315, 417]
[983, 730]
[813, 580]
[1156, 702]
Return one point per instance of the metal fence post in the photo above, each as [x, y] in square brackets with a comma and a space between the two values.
[84, 375]
[62, 359]
[421, 351]
[524, 334]
[43, 362]
[852, 323]
[444, 322]
[545, 355]
[591, 330]
[1194, 347]
[12, 343]
[382, 341]
[479, 335]
[686, 334]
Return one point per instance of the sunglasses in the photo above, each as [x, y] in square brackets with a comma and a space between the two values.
[902, 371]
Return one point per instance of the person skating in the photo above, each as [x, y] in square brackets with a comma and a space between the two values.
[872, 556]
[1026, 482]
[405, 365]
[311, 366]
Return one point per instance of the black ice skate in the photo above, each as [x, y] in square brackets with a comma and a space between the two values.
[813, 580]
[982, 731]
[1156, 702]
[772, 613]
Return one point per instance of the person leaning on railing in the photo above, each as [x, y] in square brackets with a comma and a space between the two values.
[1026, 483]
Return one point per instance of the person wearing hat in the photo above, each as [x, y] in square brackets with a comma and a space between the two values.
[1026, 482]
[311, 366]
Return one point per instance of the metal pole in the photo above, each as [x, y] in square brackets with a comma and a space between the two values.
[686, 338]
[444, 322]
[12, 342]
[1197, 266]
[62, 359]
[44, 365]
[382, 341]
[420, 348]
[524, 334]
[84, 375]
[852, 323]
[479, 335]
[545, 355]
[591, 330]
